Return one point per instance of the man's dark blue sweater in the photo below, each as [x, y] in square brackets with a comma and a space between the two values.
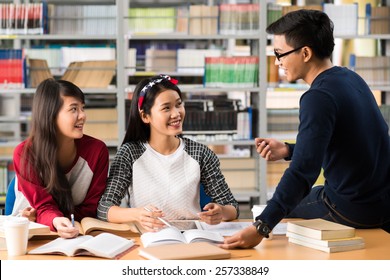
[342, 131]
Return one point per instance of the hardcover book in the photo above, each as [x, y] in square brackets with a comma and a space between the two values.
[330, 249]
[327, 243]
[193, 251]
[320, 229]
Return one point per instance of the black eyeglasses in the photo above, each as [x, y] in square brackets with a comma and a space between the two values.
[280, 55]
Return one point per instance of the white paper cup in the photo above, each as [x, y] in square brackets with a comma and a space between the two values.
[256, 211]
[16, 235]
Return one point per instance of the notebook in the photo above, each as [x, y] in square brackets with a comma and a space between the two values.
[182, 251]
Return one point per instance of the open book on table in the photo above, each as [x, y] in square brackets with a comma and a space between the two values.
[171, 235]
[105, 245]
[223, 228]
[93, 226]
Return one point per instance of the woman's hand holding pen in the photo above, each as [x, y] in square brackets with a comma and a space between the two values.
[271, 149]
[64, 227]
[151, 218]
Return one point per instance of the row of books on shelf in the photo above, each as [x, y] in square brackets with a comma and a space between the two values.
[12, 65]
[196, 19]
[377, 19]
[283, 120]
[238, 71]
[180, 60]
[7, 173]
[374, 70]
[345, 17]
[323, 235]
[227, 19]
[239, 18]
[82, 19]
[218, 71]
[159, 58]
[23, 18]
[43, 18]
[211, 115]
[347, 21]
[19, 71]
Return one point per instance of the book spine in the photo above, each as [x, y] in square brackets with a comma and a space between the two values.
[368, 19]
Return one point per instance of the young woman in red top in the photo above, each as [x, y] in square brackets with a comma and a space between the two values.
[59, 170]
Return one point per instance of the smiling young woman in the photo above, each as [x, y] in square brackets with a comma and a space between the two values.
[59, 170]
[161, 170]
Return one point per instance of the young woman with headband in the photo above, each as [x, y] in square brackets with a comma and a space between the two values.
[160, 170]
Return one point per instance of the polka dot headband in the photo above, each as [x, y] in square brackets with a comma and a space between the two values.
[149, 85]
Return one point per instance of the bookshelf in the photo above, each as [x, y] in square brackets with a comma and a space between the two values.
[44, 39]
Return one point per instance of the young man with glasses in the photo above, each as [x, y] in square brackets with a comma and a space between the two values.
[341, 130]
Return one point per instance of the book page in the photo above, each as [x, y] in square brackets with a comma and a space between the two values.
[225, 228]
[231, 228]
[280, 229]
[199, 235]
[168, 235]
[104, 245]
[61, 246]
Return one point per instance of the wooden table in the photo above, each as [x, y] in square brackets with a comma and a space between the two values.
[377, 248]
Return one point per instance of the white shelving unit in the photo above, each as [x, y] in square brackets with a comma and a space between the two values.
[26, 41]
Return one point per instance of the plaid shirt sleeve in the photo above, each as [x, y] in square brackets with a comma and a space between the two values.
[212, 178]
[120, 177]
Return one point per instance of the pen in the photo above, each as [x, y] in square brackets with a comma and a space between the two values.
[72, 219]
[160, 219]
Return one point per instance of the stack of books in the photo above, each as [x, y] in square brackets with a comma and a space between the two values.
[323, 235]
